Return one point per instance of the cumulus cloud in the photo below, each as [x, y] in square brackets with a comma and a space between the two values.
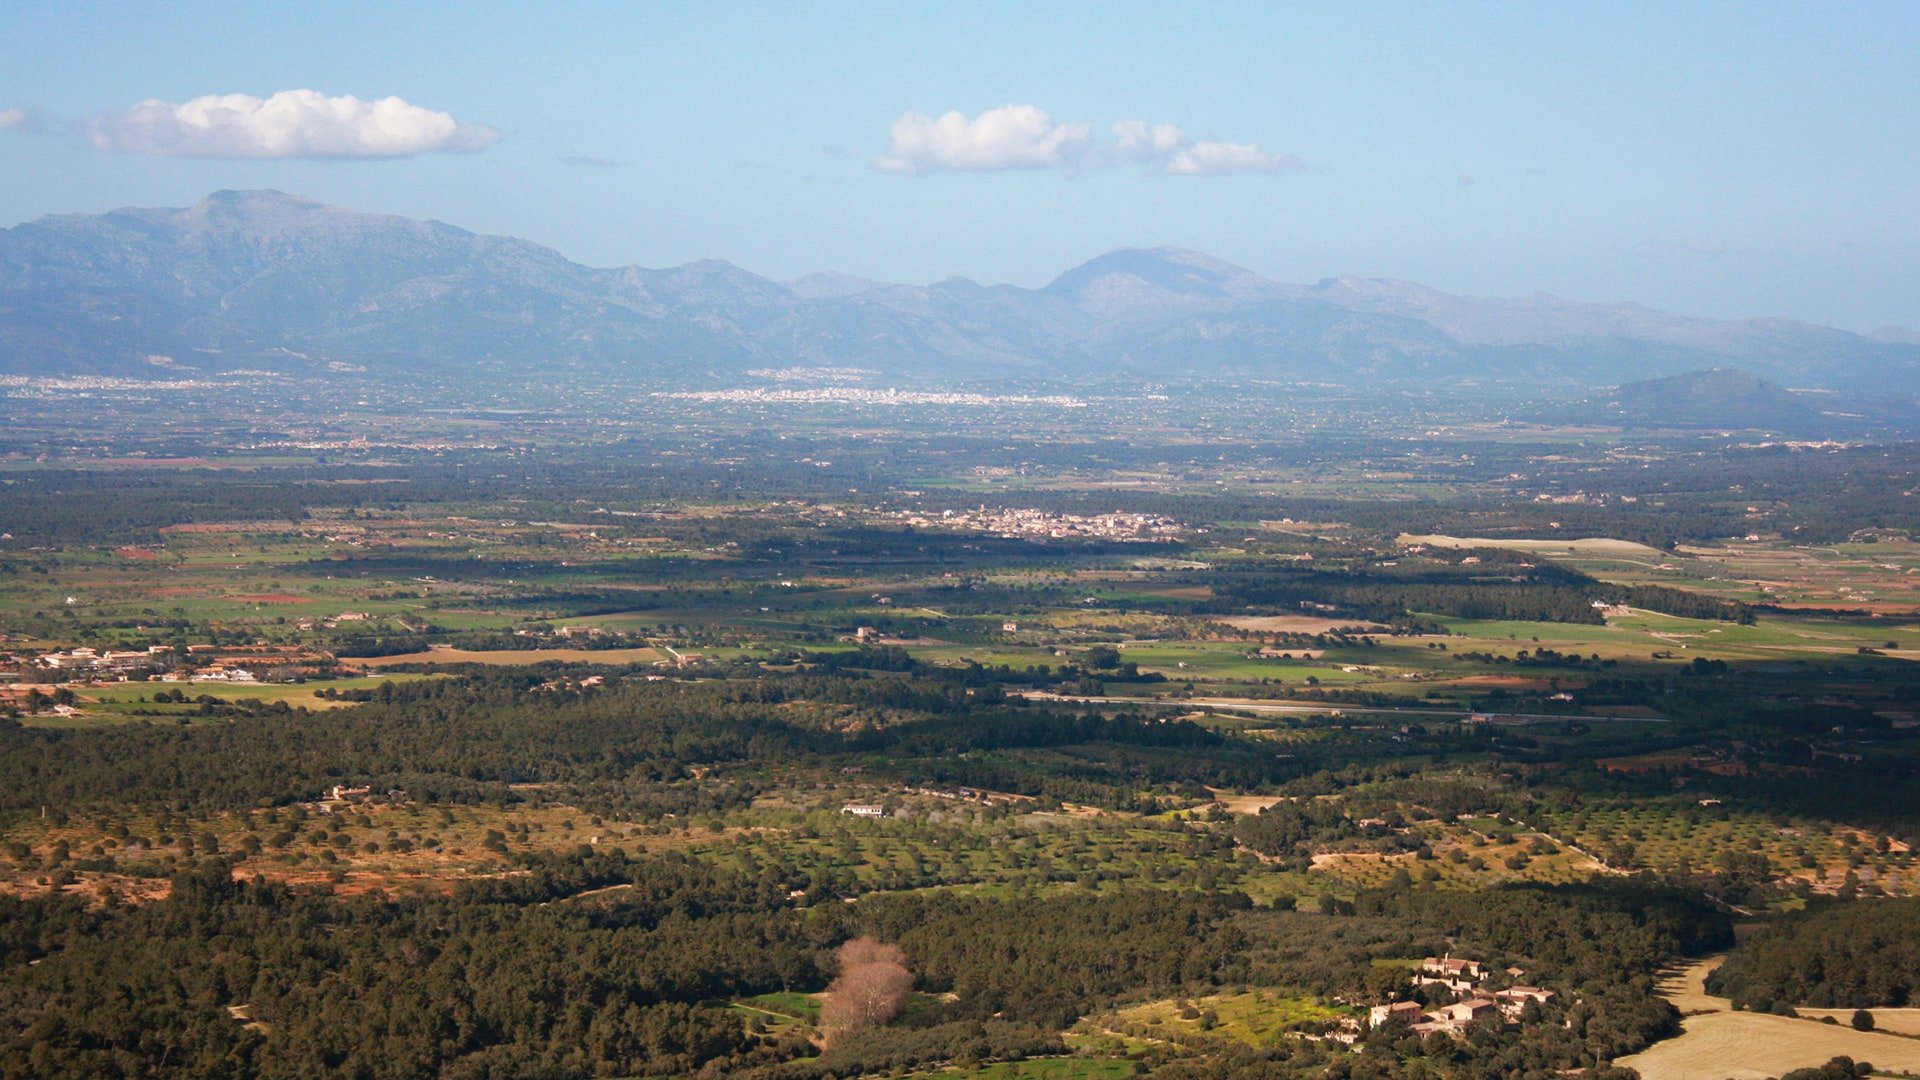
[290, 124]
[1010, 137]
[1164, 148]
[1142, 141]
[1025, 137]
[16, 119]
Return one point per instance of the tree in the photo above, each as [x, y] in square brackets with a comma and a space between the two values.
[1862, 1020]
[870, 991]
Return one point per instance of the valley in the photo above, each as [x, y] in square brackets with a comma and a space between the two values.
[859, 678]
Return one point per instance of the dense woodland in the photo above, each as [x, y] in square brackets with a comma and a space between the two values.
[1858, 955]
[616, 748]
[512, 978]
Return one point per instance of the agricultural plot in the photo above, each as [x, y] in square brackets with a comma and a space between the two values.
[943, 846]
[1673, 836]
[516, 657]
[1755, 1046]
[1591, 546]
[133, 702]
[1881, 577]
[1462, 859]
[781, 1013]
[395, 847]
[1069, 1068]
[1221, 662]
[1717, 1043]
[1261, 1016]
[1892, 1021]
[404, 846]
[1650, 638]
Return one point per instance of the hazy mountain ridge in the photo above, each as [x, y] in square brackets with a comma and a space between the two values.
[247, 276]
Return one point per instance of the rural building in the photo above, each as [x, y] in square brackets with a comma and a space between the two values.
[1455, 975]
[1461, 1013]
[1410, 1011]
[1515, 998]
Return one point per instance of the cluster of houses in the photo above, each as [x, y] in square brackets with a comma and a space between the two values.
[1462, 978]
[88, 663]
[1033, 524]
[965, 794]
[165, 663]
[251, 663]
[333, 620]
[345, 796]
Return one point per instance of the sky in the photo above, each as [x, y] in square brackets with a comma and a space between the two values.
[1725, 160]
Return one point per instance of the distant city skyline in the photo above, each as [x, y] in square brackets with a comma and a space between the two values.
[1711, 159]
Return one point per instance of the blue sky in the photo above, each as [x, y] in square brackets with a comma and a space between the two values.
[1725, 160]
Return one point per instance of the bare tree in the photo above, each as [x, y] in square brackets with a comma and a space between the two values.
[870, 991]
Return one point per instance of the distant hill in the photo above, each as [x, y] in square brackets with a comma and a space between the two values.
[265, 279]
[1720, 398]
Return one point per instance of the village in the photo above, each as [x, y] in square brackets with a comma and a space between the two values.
[1465, 982]
[1030, 524]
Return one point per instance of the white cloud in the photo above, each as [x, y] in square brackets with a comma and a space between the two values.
[1025, 137]
[15, 119]
[1164, 148]
[1010, 137]
[290, 124]
[1142, 141]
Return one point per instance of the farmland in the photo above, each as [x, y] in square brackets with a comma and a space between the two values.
[1756, 1046]
[1719, 1042]
[1196, 781]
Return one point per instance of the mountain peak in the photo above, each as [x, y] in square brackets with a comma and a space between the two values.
[261, 205]
[254, 198]
[1167, 270]
[831, 285]
[1352, 288]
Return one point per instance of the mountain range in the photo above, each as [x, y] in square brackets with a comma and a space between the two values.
[249, 279]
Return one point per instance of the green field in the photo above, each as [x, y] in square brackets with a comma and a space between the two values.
[1074, 1068]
